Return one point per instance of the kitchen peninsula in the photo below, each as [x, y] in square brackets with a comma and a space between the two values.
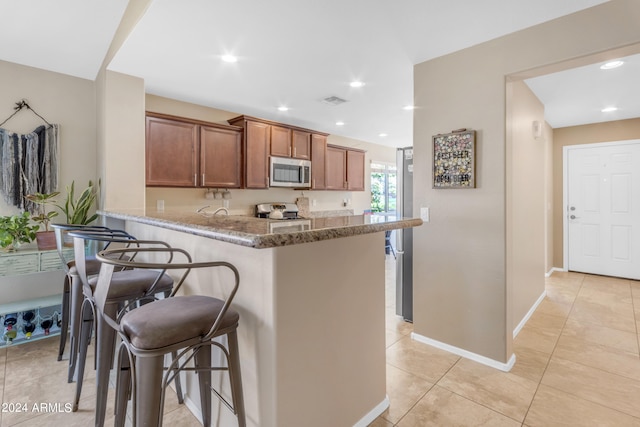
[311, 304]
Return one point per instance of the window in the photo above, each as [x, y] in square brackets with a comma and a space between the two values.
[383, 188]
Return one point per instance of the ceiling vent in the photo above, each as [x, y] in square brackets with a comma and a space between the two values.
[334, 100]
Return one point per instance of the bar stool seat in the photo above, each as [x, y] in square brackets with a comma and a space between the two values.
[188, 325]
[154, 326]
[130, 284]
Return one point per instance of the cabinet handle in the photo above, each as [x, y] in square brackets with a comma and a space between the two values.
[289, 151]
[346, 185]
[294, 151]
[195, 179]
[203, 180]
[313, 183]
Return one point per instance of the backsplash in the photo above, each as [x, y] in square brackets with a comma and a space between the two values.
[243, 202]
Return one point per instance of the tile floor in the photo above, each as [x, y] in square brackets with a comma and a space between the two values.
[577, 364]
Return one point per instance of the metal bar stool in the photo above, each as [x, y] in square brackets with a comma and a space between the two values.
[128, 285]
[72, 293]
[187, 324]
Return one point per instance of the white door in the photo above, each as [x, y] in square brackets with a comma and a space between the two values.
[603, 208]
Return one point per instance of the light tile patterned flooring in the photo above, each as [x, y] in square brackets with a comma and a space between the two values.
[577, 364]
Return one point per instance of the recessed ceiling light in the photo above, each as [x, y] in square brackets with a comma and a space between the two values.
[356, 84]
[283, 108]
[339, 123]
[610, 65]
[229, 58]
[382, 135]
[408, 107]
[609, 109]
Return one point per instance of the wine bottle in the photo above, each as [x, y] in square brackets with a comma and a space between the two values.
[28, 329]
[9, 334]
[10, 319]
[46, 324]
[28, 316]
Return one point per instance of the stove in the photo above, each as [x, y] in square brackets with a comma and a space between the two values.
[272, 211]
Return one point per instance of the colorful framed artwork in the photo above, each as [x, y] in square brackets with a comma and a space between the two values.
[454, 159]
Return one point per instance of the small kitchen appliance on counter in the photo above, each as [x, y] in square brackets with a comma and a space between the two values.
[277, 210]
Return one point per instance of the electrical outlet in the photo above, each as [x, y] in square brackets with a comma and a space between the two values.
[424, 214]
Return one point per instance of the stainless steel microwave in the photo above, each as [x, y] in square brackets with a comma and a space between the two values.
[290, 173]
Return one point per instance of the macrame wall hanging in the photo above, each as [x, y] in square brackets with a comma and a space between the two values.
[29, 161]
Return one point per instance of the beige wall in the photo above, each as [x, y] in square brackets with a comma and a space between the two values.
[61, 99]
[525, 189]
[242, 201]
[462, 290]
[588, 134]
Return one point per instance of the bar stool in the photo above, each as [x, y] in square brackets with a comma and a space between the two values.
[72, 293]
[128, 285]
[185, 323]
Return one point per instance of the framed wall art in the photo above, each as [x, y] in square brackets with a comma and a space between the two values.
[454, 159]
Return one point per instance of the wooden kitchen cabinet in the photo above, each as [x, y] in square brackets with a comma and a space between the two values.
[280, 141]
[189, 153]
[318, 161]
[301, 144]
[256, 145]
[355, 170]
[220, 157]
[287, 142]
[171, 156]
[336, 168]
[344, 168]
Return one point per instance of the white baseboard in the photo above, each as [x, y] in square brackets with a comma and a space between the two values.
[525, 319]
[550, 272]
[506, 367]
[363, 422]
[373, 414]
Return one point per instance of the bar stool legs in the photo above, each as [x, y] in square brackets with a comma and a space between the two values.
[64, 326]
[202, 362]
[235, 377]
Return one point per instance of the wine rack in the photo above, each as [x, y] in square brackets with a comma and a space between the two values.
[31, 286]
[39, 318]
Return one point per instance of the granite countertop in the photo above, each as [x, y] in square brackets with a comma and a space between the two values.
[263, 233]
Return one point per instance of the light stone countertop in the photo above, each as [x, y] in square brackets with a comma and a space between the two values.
[263, 233]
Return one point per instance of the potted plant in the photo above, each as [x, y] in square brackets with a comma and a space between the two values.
[16, 229]
[46, 239]
[77, 210]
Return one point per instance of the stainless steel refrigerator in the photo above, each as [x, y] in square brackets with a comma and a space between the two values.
[404, 236]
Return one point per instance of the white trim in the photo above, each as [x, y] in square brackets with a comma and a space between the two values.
[526, 317]
[362, 422]
[193, 407]
[565, 189]
[506, 367]
[554, 269]
[373, 414]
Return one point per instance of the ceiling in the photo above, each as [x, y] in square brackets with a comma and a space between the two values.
[294, 53]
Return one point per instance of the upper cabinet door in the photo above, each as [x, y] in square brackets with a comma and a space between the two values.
[355, 170]
[280, 141]
[171, 153]
[301, 143]
[257, 139]
[220, 157]
[318, 161]
[336, 168]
